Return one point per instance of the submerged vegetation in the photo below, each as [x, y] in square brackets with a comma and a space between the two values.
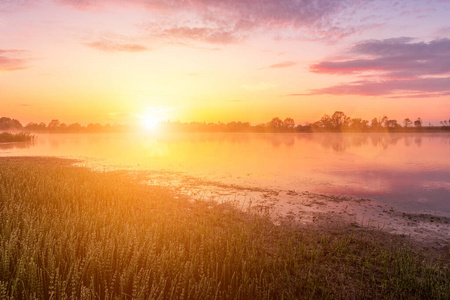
[68, 232]
[7, 137]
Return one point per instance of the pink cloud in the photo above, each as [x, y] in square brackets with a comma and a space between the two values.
[114, 46]
[206, 34]
[228, 21]
[285, 64]
[83, 4]
[225, 21]
[414, 69]
[398, 58]
[12, 60]
[407, 88]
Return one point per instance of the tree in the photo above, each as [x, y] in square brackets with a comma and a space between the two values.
[392, 124]
[407, 122]
[324, 122]
[375, 123]
[8, 124]
[339, 120]
[53, 124]
[358, 124]
[62, 127]
[384, 121]
[275, 123]
[289, 123]
[75, 127]
[32, 126]
[418, 123]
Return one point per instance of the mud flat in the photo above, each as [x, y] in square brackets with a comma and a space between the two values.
[428, 231]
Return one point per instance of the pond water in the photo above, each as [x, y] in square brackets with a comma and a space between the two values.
[411, 171]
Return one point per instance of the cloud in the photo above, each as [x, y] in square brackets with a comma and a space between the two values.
[116, 46]
[206, 34]
[398, 57]
[397, 65]
[230, 21]
[83, 4]
[218, 21]
[285, 64]
[412, 87]
[234, 20]
[12, 60]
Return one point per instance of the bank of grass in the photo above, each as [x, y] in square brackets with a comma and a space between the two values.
[7, 137]
[67, 232]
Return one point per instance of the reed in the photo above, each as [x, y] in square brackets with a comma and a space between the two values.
[71, 233]
[6, 137]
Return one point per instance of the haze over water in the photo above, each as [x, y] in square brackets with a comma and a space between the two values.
[411, 171]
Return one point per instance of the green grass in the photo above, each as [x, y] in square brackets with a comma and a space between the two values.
[70, 233]
[7, 137]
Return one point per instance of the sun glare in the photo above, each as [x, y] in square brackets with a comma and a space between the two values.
[152, 117]
[150, 123]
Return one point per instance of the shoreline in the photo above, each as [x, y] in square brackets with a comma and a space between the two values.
[430, 230]
[66, 223]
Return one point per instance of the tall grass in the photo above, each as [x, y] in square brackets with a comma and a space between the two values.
[6, 137]
[70, 233]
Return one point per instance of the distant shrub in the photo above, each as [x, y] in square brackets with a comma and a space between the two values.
[7, 137]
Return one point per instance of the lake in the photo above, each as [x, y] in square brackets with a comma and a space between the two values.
[409, 171]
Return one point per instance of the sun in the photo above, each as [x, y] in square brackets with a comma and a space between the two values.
[150, 124]
[151, 117]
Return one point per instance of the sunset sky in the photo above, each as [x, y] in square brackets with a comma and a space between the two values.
[117, 61]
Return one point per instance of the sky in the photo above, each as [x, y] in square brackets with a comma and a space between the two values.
[117, 61]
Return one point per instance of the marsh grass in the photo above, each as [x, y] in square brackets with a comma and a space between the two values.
[6, 137]
[70, 233]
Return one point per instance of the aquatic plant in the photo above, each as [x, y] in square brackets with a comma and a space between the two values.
[7, 137]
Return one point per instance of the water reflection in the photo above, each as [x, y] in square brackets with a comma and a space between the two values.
[409, 169]
[12, 146]
[342, 142]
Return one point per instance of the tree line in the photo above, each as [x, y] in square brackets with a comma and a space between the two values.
[337, 122]
[55, 126]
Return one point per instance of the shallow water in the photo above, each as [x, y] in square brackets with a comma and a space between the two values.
[411, 171]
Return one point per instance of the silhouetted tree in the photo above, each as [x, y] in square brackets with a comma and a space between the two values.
[384, 121]
[276, 123]
[358, 124]
[339, 120]
[62, 127]
[53, 125]
[375, 124]
[324, 122]
[418, 123]
[9, 124]
[392, 124]
[289, 123]
[32, 126]
[407, 122]
[75, 127]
